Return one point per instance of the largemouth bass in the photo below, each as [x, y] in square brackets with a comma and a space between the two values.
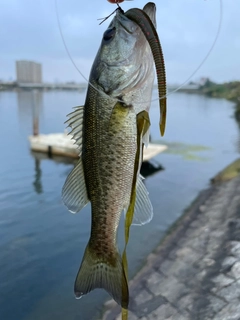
[106, 132]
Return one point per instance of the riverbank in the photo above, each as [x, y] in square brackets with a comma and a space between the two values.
[195, 271]
[43, 86]
[227, 90]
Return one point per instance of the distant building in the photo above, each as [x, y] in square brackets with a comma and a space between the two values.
[28, 71]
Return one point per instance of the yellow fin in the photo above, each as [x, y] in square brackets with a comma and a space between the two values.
[119, 113]
[143, 124]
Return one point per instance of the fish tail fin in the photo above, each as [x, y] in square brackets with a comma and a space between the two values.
[105, 273]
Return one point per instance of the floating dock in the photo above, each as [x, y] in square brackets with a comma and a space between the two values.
[61, 144]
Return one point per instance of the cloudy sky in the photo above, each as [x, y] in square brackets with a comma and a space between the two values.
[186, 28]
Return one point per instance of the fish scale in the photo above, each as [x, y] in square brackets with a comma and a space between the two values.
[104, 165]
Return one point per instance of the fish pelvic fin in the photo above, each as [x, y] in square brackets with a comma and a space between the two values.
[101, 272]
[74, 191]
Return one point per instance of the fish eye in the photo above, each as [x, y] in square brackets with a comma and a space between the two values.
[109, 33]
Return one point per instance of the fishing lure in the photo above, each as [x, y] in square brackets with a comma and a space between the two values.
[144, 22]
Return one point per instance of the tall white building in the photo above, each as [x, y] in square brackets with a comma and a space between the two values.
[28, 71]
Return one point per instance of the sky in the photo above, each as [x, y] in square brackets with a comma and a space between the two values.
[186, 28]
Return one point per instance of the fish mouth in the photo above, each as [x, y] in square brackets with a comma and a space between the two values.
[125, 28]
[123, 21]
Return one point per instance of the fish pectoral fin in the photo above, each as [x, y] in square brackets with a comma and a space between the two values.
[143, 210]
[143, 129]
[145, 138]
[118, 115]
[74, 191]
[97, 272]
[75, 122]
[143, 123]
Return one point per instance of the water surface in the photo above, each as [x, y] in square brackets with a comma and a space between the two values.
[41, 243]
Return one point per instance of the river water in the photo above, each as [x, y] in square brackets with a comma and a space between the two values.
[41, 243]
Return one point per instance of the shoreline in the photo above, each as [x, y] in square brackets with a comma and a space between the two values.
[175, 260]
[229, 91]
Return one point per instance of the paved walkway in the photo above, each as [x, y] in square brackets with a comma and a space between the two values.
[195, 273]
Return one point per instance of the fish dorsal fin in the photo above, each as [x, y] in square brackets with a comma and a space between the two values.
[143, 210]
[74, 191]
[75, 122]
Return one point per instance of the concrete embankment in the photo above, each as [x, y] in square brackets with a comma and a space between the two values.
[194, 274]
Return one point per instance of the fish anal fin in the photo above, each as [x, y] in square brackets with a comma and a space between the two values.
[102, 273]
[74, 191]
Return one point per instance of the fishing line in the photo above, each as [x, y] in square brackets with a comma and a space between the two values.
[169, 93]
[104, 19]
[207, 55]
[69, 55]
